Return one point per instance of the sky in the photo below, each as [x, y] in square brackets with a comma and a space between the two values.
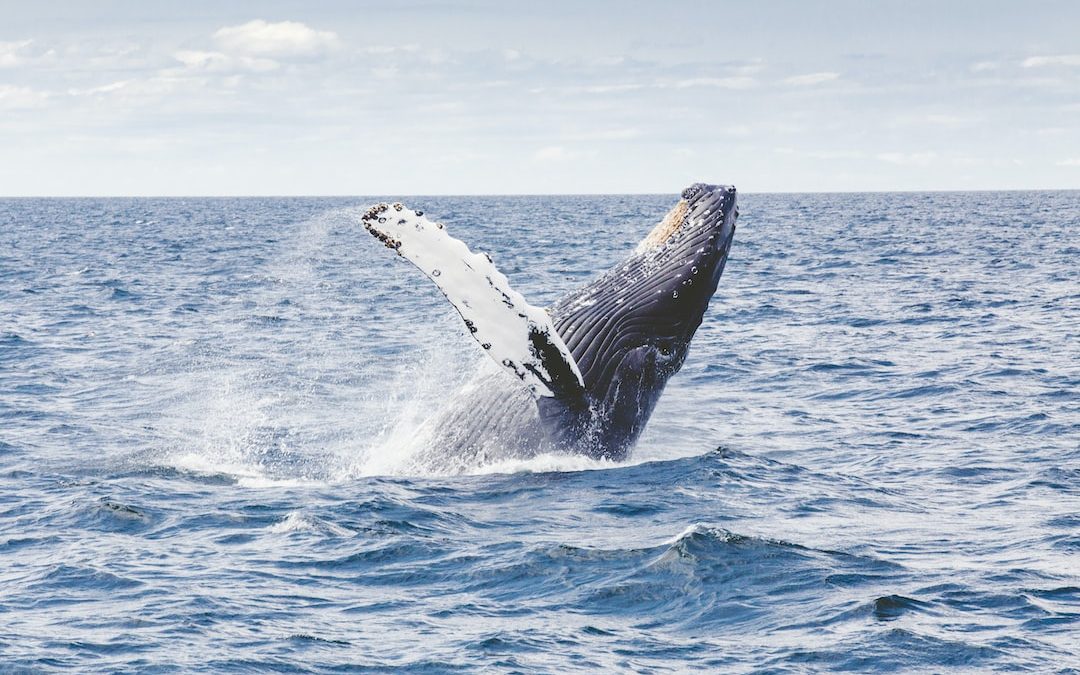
[282, 97]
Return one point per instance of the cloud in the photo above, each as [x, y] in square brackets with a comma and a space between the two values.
[908, 158]
[721, 82]
[282, 39]
[835, 154]
[984, 66]
[736, 130]
[946, 120]
[1072, 161]
[607, 61]
[941, 119]
[820, 154]
[103, 89]
[391, 49]
[751, 67]
[605, 88]
[811, 79]
[555, 153]
[606, 135]
[1056, 60]
[9, 53]
[386, 72]
[12, 97]
[734, 82]
[217, 62]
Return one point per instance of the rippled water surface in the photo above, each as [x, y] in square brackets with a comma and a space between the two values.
[870, 461]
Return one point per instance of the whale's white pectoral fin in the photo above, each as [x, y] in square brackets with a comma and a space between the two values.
[517, 335]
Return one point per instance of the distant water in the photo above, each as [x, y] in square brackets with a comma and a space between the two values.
[871, 460]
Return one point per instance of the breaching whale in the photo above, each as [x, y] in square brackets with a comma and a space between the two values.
[583, 376]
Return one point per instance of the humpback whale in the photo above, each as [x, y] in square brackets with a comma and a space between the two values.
[584, 375]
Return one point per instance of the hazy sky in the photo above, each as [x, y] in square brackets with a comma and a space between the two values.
[458, 97]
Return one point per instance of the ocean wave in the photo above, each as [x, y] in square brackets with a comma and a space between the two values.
[866, 463]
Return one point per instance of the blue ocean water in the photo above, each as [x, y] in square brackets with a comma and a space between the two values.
[870, 461]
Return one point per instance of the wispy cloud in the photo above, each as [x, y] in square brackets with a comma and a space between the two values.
[820, 154]
[591, 110]
[1055, 60]
[219, 62]
[606, 135]
[908, 158]
[811, 79]
[13, 98]
[9, 53]
[282, 39]
[607, 88]
[390, 49]
[102, 89]
[937, 119]
[740, 82]
[555, 153]
[946, 120]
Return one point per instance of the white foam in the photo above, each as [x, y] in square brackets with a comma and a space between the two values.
[277, 414]
[245, 475]
[298, 522]
[545, 463]
[696, 528]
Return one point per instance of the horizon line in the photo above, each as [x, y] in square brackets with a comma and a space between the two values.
[522, 194]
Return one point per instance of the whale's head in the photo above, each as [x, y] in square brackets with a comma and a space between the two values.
[673, 273]
[630, 330]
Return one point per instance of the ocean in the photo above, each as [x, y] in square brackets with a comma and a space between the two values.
[869, 462]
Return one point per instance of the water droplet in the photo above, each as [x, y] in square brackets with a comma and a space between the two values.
[674, 294]
[436, 273]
